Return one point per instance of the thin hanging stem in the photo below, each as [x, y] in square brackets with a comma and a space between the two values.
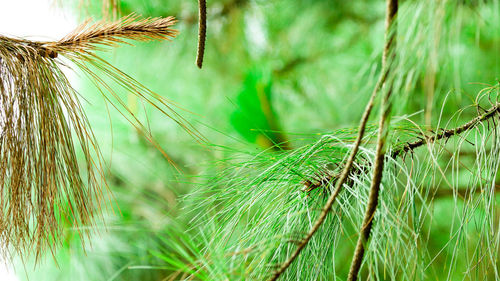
[202, 32]
[347, 168]
[392, 8]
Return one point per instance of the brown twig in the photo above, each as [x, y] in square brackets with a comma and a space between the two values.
[202, 32]
[371, 207]
[326, 178]
[448, 133]
[345, 172]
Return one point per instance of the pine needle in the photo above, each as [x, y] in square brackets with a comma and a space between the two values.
[88, 38]
[43, 186]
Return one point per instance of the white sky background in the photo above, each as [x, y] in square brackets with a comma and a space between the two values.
[34, 20]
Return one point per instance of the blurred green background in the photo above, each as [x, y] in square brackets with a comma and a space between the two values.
[277, 75]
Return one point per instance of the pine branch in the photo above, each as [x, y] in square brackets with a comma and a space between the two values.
[90, 37]
[392, 9]
[326, 178]
[40, 177]
[447, 133]
[40, 119]
[347, 168]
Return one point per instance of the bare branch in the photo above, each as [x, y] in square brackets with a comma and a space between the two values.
[347, 168]
[391, 10]
[327, 178]
[448, 133]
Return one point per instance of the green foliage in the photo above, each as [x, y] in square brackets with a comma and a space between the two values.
[255, 118]
[301, 72]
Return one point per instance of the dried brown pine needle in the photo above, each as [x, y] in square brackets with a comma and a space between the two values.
[89, 37]
[43, 186]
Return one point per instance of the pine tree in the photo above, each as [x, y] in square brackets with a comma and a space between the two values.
[354, 144]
